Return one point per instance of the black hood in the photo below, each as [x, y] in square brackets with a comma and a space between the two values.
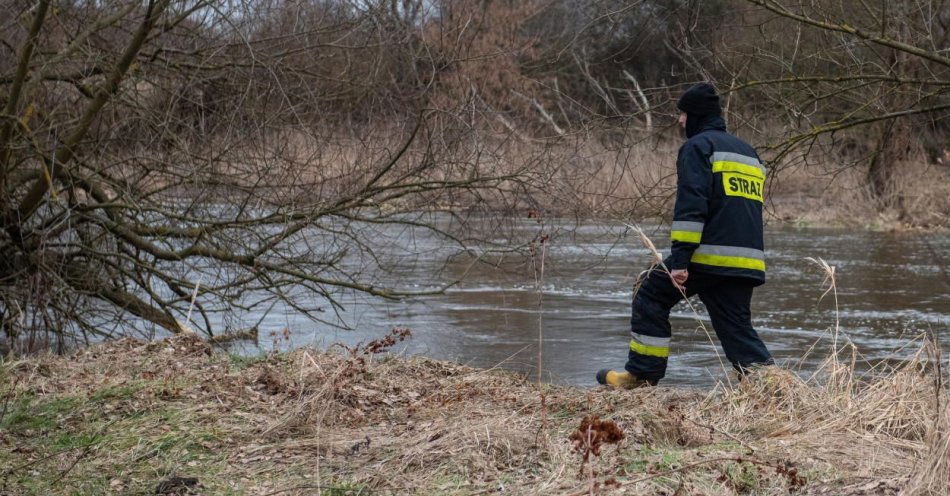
[701, 105]
[696, 124]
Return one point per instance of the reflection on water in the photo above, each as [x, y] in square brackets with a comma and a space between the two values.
[890, 287]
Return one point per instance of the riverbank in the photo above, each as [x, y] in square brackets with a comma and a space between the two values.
[130, 417]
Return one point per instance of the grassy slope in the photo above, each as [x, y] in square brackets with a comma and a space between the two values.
[123, 417]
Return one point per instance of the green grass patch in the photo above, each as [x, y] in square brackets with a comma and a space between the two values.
[70, 440]
[125, 391]
[743, 477]
[344, 489]
[241, 362]
[653, 458]
[103, 443]
[30, 414]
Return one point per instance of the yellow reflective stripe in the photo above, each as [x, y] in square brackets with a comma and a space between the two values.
[726, 166]
[657, 351]
[687, 236]
[728, 261]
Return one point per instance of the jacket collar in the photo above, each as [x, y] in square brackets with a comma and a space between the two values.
[696, 124]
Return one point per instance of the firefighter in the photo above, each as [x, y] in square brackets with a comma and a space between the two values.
[717, 248]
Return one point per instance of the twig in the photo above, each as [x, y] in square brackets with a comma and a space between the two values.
[832, 282]
[546, 116]
[6, 398]
[644, 104]
[724, 433]
[538, 281]
[194, 296]
[499, 364]
[38, 460]
[669, 472]
[332, 489]
[737, 459]
[82, 455]
[86, 450]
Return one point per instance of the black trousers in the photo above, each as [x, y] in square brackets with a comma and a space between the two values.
[728, 301]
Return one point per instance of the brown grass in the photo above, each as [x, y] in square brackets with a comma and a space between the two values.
[820, 194]
[583, 175]
[126, 416]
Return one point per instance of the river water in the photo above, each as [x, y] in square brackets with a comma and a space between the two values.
[890, 288]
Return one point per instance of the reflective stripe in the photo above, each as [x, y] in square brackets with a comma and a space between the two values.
[729, 256]
[688, 231]
[685, 225]
[650, 345]
[749, 170]
[734, 162]
[686, 236]
[650, 340]
[733, 251]
[736, 157]
[724, 261]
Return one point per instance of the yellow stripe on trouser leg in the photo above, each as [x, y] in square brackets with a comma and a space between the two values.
[657, 351]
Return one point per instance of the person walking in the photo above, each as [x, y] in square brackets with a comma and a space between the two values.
[717, 247]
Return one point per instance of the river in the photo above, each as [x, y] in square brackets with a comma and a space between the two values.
[890, 288]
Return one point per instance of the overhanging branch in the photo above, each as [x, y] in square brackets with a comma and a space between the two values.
[859, 33]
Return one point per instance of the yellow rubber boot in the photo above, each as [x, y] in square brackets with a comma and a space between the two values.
[624, 379]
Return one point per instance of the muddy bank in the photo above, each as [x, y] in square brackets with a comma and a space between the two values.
[176, 417]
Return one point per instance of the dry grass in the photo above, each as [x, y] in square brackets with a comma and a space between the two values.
[825, 194]
[123, 417]
[638, 179]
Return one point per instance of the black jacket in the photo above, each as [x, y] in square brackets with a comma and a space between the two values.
[717, 221]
